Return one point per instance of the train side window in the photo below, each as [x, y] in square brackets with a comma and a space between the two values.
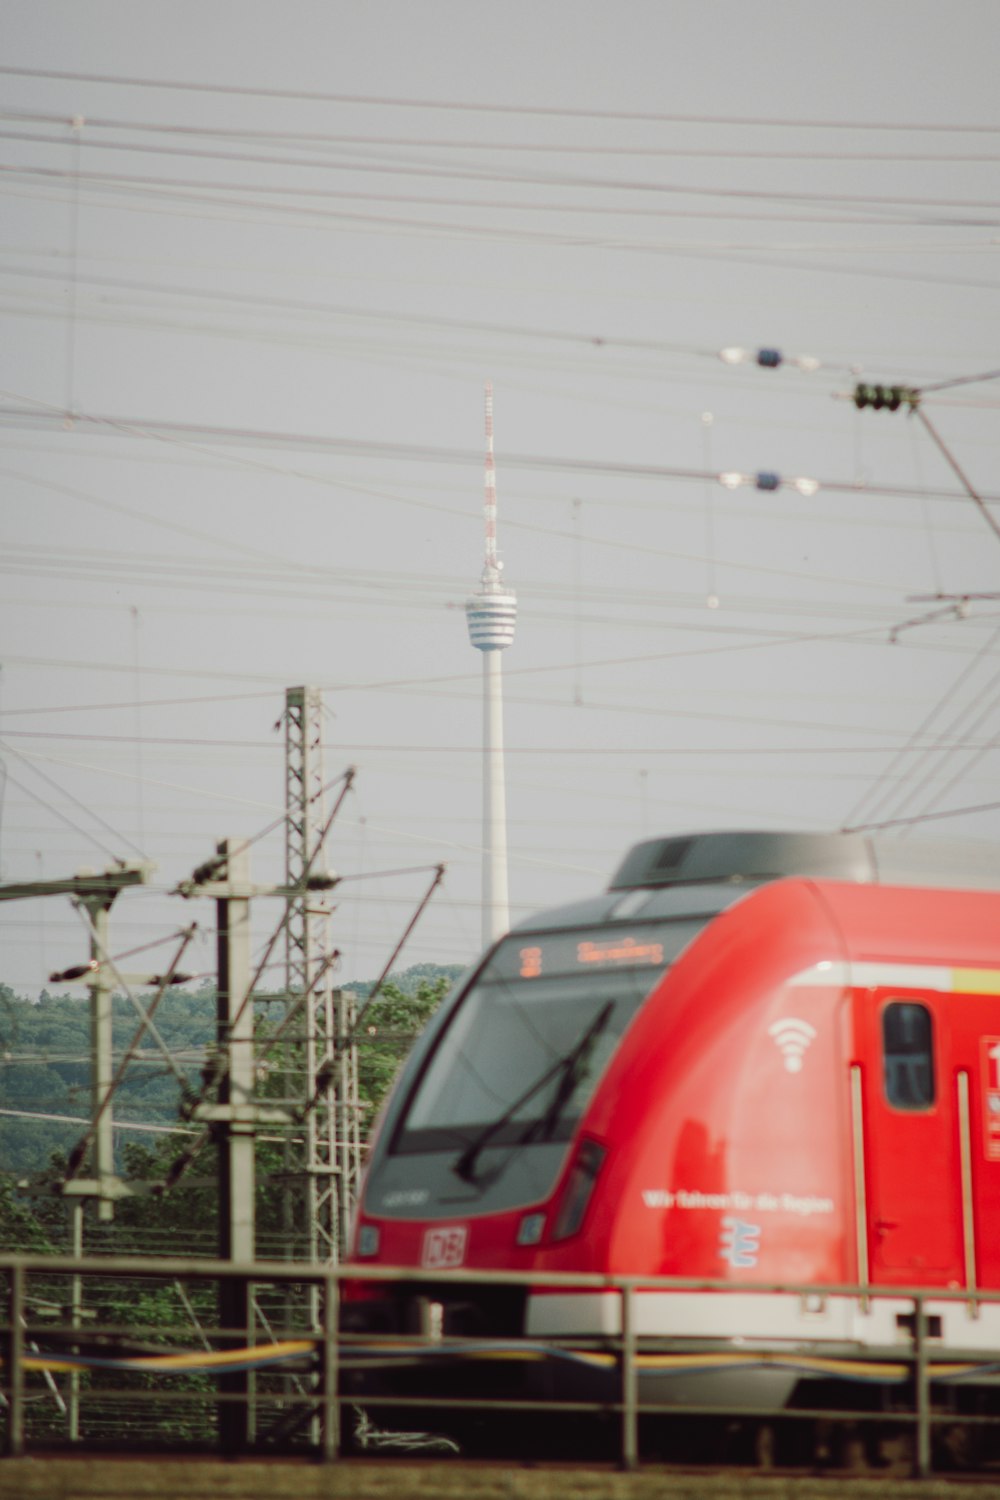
[908, 1055]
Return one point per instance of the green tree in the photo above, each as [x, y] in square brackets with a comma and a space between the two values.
[388, 1029]
[184, 1219]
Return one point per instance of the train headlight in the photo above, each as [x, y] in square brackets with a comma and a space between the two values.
[530, 1229]
[582, 1181]
[369, 1239]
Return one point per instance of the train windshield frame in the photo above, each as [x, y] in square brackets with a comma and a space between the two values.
[523, 1050]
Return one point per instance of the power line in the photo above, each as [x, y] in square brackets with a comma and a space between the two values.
[188, 702]
[318, 139]
[556, 751]
[41, 415]
[883, 785]
[356, 139]
[478, 107]
[882, 210]
[312, 309]
[735, 254]
[483, 174]
[947, 385]
[954, 464]
[119, 1124]
[64, 817]
[869, 635]
[927, 817]
[358, 586]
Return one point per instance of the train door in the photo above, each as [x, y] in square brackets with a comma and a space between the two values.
[976, 1057]
[911, 1142]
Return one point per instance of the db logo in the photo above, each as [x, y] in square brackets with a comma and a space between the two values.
[444, 1247]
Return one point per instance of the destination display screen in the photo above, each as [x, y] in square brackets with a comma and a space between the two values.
[543, 955]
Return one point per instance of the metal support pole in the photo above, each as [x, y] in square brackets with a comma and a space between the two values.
[237, 1186]
[76, 1314]
[329, 1157]
[331, 1382]
[630, 1383]
[922, 1392]
[15, 1363]
[102, 1059]
[348, 1113]
[307, 941]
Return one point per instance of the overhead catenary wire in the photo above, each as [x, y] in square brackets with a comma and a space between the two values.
[955, 739]
[72, 449]
[911, 820]
[49, 781]
[150, 196]
[872, 635]
[217, 869]
[879, 796]
[144, 1013]
[973, 758]
[734, 255]
[210, 204]
[221, 1064]
[819, 726]
[189, 701]
[312, 580]
[320, 139]
[78, 1155]
[329, 1063]
[486, 107]
[42, 414]
[481, 174]
[140, 1126]
[953, 462]
[312, 308]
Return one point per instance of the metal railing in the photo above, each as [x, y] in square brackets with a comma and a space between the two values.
[131, 1378]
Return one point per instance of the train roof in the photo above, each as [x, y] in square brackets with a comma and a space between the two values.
[691, 858]
[699, 874]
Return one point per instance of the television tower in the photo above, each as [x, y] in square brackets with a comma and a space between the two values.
[492, 614]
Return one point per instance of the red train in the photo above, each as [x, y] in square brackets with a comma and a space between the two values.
[752, 1059]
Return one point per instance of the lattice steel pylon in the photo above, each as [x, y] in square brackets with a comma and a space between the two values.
[326, 1153]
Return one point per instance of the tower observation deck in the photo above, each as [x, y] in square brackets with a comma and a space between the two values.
[492, 615]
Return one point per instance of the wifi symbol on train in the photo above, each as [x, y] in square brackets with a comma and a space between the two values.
[792, 1038]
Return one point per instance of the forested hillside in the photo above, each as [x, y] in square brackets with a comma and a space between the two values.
[45, 1059]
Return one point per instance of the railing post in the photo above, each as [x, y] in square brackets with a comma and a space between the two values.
[630, 1382]
[76, 1316]
[15, 1363]
[331, 1372]
[922, 1393]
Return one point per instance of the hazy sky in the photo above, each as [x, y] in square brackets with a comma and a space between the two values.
[257, 264]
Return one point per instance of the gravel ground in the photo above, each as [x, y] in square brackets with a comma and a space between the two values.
[112, 1478]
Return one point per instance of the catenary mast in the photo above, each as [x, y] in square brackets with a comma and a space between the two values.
[492, 614]
[326, 1151]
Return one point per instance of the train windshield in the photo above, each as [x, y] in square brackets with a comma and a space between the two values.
[525, 1047]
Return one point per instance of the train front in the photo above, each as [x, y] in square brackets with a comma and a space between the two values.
[483, 1161]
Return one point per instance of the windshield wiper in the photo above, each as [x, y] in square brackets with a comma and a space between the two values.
[569, 1069]
[575, 1066]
